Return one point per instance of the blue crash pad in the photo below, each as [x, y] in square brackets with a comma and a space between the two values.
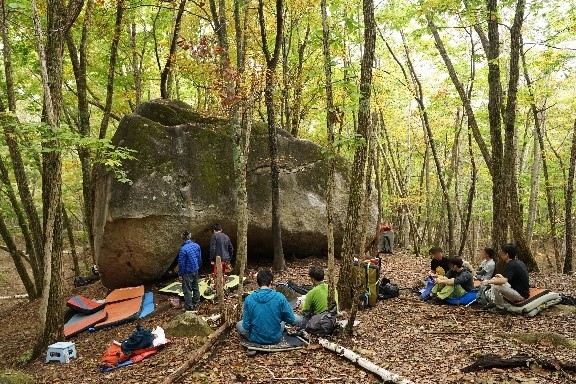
[147, 305]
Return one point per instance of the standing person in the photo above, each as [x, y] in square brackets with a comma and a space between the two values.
[486, 269]
[513, 284]
[189, 262]
[220, 245]
[265, 312]
[385, 240]
[455, 284]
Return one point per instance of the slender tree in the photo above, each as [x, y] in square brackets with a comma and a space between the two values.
[356, 191]
[271, 63]
[569, 195]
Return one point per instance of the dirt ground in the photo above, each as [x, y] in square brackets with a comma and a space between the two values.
[422, 342]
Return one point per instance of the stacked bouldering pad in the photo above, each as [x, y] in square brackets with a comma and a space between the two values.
[121, 305]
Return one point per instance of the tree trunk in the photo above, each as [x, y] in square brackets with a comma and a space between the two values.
[534, 188]
[509, 166]
[356, 192]
[567, 268]
[499, 183]
[164, 76]
[296, 112]
[330, 120]
[78, 59]
[278, 263]
[112, 69]
[136, 66]
[71, 241]
[59, 21]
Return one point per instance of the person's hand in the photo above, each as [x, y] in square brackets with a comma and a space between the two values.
[484, 282]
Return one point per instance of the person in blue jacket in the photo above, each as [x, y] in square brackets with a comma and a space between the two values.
[265, 312]
[189, 263]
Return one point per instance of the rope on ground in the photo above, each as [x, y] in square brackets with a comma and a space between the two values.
[384, 374]
[197, 355]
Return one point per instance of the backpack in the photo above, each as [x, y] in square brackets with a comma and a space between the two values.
[387, 289]
[323, 324]
[485, 295]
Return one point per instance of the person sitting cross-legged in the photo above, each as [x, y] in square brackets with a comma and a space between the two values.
[316, 300]
[265, 312]
[512, 285]
[457, 281]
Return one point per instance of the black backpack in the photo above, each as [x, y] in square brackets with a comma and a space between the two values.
[387, 289]
[323, 324]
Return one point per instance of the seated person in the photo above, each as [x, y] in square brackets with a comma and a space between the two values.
[513, 284]
[316, 300]
[455, 284]
[439, 264]
[265, 312]
[486, 269]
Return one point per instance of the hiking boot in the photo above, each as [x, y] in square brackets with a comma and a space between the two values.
[251, 353]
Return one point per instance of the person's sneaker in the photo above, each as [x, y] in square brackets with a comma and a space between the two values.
[251, 352]
[489, 306]
[436, 301]
[186, 308]
[498, 311]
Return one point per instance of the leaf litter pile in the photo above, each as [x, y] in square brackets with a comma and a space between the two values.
[422, 342]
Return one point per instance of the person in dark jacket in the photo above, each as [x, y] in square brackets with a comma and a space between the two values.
[265, 312]
[512, 285]
[220, 245]
[189, 262]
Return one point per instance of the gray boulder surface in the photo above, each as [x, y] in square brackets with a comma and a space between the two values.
[183, 178]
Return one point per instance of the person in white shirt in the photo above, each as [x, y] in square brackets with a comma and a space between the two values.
[486, 269]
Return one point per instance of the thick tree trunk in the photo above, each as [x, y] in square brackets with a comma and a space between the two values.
[356, 193]
[59, 20]
[278, 263]
[510, 170]
[569, 195]
[499, 182]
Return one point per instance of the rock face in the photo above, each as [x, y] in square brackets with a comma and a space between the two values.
[183, 178]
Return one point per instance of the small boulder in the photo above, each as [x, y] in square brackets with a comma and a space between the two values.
[188, 324]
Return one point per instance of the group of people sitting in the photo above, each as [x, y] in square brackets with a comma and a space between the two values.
[267, 311]
[454, 277]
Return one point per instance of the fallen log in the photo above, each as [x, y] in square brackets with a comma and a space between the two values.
[490, 361]
[384, 374]
[14, 297]
[197, 355]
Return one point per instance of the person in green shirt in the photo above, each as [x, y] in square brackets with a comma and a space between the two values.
[316, 300]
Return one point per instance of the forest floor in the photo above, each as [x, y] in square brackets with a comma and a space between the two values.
[422, 342]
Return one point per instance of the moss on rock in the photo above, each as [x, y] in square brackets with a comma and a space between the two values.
[9, 376]
[188, 324]
[541, 338]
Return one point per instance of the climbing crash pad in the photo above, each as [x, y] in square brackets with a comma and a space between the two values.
[81, 322]
[84, 305]
[288, 343]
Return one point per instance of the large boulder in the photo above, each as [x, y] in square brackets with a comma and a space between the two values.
[182, 177]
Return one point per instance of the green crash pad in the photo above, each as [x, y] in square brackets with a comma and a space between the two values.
[205, 285]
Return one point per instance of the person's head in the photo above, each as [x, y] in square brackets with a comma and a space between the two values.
[436, 252]
[264, 277]
[508, 251]
[456, 263]
[216, 228]
[316, 273]
[487, 253]
[186, 235]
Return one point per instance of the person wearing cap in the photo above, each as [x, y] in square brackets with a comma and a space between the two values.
[189, 263]
[457, 281]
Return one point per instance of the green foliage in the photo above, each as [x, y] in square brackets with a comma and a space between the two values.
[25, 357]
